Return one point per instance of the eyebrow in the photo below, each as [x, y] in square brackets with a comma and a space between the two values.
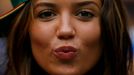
[84, 3]
[45, 4]
[54, 5]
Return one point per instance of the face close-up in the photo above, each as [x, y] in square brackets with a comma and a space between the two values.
[66, 35]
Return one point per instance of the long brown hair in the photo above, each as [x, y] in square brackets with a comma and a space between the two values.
[117, 51]
[19, 44]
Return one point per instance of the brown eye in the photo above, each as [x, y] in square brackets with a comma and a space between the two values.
[84, 15]
[47, 14]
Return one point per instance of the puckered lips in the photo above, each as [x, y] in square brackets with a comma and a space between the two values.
[65, 53]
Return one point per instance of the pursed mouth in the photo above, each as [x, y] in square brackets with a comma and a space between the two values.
[65, 53]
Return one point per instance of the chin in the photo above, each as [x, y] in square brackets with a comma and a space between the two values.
[66, 71]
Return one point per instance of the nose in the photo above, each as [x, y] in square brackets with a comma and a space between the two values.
[65, 30]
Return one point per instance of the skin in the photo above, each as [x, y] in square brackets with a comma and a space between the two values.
[66, 26]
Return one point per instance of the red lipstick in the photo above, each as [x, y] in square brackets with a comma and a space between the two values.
[65, 53]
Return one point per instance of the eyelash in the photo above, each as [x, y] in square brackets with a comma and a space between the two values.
[47, 14]
[82, 14]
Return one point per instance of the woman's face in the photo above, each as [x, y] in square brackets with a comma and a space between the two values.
[65, 35]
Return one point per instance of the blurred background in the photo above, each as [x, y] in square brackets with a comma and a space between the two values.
[130, 8]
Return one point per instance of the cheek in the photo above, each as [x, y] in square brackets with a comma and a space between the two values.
[41, 34]
[90, 32]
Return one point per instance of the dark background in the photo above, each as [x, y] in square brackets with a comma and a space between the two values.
[130, 8]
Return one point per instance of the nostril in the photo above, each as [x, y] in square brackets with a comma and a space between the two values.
[65, 37]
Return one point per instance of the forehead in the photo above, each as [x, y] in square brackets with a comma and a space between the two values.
[67, 2]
